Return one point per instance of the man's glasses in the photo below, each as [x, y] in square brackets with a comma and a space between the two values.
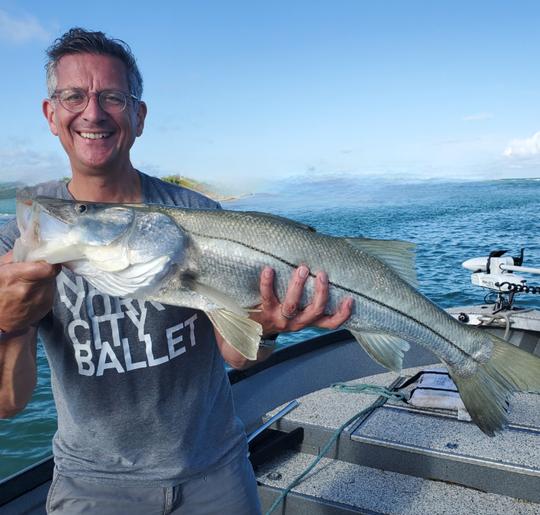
[76, 100]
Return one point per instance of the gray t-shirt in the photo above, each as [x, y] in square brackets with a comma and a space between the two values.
[140, 388]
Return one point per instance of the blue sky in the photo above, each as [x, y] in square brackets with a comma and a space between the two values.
[246, 92]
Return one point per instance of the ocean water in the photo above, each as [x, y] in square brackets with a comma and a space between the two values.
[449, 222]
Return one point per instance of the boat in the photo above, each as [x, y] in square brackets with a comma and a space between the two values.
[308, 415]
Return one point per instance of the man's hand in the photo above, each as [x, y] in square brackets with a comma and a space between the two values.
[277, 317]
[26, 292]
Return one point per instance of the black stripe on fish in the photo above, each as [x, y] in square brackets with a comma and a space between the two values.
[339, 287]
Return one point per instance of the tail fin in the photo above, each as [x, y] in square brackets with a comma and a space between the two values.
[486, 393]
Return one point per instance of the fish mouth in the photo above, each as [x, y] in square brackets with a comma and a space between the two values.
[43, 236]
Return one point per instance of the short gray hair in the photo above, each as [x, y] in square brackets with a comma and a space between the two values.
[81, 41]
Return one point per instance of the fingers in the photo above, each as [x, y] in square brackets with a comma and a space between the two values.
[317, 307]
[342, 314]
[6, 258]
[291, 303]
[288, 315]
[266, 286]
[30, 271]
[26, 292]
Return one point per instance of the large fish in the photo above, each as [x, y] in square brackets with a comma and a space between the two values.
[212, 259]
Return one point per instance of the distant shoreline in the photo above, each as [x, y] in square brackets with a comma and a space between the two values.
[200, 187]
[9, 190]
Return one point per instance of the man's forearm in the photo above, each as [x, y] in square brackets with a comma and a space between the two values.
[235, 359]
[17, 372]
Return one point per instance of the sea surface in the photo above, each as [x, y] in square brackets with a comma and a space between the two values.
[449, 222]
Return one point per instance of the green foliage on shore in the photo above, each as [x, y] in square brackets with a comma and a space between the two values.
[194, 185]
[185, 182]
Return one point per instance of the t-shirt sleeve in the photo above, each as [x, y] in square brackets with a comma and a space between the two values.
[9, 232]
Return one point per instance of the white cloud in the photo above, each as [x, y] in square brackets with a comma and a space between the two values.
[527, 147]
[20, 163]
[21, 29]
[478, 117]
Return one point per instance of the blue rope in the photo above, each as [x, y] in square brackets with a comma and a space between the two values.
[369, 389]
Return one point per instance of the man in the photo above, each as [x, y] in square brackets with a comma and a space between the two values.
[145, 416]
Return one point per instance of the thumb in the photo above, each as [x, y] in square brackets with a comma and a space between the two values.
[6, 258]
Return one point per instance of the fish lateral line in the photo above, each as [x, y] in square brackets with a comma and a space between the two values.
[340, 287]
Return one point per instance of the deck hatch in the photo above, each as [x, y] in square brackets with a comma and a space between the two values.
[441, 447]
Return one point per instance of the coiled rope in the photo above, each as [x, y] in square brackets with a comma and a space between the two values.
[369, 389]
[504, 317]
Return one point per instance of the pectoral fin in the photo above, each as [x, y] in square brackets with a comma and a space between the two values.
[218, 298]
[241, 332]
[385, 349]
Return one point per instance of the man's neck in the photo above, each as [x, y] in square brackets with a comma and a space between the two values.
[107, 187]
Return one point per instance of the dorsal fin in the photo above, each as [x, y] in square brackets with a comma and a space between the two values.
[282, 219]
[397, 254]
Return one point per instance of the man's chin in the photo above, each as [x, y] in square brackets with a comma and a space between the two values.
[95, 165]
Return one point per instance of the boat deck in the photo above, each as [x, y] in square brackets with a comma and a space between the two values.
[401, 459]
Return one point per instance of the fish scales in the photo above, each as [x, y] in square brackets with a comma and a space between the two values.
[212, 260]
[253, 239]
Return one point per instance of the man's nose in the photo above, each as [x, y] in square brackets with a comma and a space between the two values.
[94, 112]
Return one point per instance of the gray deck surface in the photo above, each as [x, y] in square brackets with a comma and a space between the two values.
[451, 445]
[387, 492]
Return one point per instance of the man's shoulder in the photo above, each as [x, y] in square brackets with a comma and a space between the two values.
[158, 191]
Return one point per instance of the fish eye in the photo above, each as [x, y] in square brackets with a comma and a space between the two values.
[81, 208]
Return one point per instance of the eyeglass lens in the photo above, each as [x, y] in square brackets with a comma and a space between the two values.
[76, 100]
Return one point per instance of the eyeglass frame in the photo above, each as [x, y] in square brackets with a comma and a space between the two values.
[55, 96]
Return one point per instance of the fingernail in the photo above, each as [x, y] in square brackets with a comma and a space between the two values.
[267, 272]
[303, 272]
[323, 277]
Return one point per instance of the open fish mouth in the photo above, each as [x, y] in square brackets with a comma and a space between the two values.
[43, 235]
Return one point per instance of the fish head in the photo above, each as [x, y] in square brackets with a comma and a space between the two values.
[58, 231]
[122, 249]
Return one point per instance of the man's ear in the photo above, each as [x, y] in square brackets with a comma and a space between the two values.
[48, 111]
[141, 115]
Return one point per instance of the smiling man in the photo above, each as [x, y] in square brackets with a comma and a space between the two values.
[146, 422]
[92, 109]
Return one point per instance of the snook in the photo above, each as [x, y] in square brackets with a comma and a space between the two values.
[212, 259]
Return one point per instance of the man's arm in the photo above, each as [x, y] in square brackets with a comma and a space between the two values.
[26, 296]
[17, 372]
[235, 359]
[276, 317]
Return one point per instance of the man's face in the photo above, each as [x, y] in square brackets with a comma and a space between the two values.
[94, 140]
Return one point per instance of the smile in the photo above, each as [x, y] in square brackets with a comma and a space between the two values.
[94, 135]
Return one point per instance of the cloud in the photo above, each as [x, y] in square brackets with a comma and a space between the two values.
[478, 117]
[21, 29]
[20, 163]
[527, 147]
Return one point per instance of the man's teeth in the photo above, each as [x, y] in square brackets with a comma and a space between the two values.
[95, 135]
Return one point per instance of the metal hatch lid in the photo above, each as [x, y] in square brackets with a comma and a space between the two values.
[337, 487]
[435, 445]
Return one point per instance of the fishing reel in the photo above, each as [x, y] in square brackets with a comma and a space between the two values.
[496, 273]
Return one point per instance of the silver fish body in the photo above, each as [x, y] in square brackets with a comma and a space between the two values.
[212, 260]
[233, 247]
